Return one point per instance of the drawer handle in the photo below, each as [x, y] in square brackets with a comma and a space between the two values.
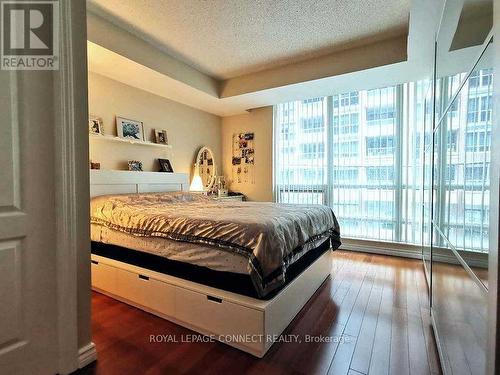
[94, 262]
[214, 299]
[143, 277]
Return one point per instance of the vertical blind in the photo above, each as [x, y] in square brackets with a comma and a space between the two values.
[362, 153]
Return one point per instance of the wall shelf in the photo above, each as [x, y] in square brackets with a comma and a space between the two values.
[111, 138]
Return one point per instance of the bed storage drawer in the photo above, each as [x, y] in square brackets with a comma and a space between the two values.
[215, 315]
[239, 321]
[160, 297]
[130, 286]
[103, 277]
[135, 287]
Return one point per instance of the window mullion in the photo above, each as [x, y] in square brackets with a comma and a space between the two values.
[398, 162]
[329, 152]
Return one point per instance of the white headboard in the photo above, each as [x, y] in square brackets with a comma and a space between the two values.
[104, 182]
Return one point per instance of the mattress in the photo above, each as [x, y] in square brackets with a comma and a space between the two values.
[259, 239]
[199, 255]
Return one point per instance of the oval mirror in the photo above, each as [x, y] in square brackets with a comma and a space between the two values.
[205, 162]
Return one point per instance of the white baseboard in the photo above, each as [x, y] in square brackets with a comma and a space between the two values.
[473, 259]
[87, 355]
[372, 248]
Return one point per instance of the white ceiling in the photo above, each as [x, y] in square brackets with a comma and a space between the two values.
[226, 39]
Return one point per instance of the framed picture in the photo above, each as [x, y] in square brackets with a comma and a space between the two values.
[165, 166]
[161, 136]
[248, 136]
[135, 165]
[95, 165]
[130, 129]
[95, 125]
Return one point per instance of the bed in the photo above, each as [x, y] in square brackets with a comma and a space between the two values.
[236, 271]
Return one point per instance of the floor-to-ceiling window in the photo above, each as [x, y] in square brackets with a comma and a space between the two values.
[301, 152]
[366, 201]
[362, 153]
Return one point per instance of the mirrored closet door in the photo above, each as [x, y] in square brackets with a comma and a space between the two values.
[457, 183]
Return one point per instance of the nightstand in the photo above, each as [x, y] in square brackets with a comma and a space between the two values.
[236, 197]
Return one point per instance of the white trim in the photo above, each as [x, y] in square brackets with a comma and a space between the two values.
[87, 355]
[373, 247]
[70, 111]
[473, 259]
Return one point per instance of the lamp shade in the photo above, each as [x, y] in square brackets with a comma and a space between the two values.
[196, 183]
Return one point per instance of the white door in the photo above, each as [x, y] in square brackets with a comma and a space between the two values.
[28, 303]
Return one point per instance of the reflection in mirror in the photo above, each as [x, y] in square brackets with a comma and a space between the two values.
[460, 315]
[205, 165]
[427, 179]
[461, 167]
[474, 24]
[462, 33]
[460, 187]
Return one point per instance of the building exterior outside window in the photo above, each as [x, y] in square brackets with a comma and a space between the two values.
[362, 154]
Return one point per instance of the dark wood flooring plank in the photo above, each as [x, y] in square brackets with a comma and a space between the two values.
[358, 312]
[320, 353]
[430, 343]
[457, 359]
[380, 358]
[352, 294]
[364, 345]
[399, 360]
[418, 356]
[343, 355]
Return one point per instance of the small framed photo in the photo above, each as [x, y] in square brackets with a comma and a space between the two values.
[130, 129]
[135, 165]
[161, 136]
[95, 125]
[165, 166]
[95, 165]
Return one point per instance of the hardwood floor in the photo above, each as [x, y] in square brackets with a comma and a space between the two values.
[372, 315]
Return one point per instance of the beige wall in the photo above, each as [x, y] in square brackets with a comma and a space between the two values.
[188, 129]
[259, 121]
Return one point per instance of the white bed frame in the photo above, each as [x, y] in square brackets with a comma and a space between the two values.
[246, 323]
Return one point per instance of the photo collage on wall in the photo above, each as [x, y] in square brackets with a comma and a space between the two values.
[243, 158]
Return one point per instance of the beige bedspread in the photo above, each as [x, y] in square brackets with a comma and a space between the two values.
[272, 236]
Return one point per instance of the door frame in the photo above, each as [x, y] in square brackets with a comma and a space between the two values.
[75, 349]
[493, 349]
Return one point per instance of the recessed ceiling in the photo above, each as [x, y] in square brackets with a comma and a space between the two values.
[226, 39]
